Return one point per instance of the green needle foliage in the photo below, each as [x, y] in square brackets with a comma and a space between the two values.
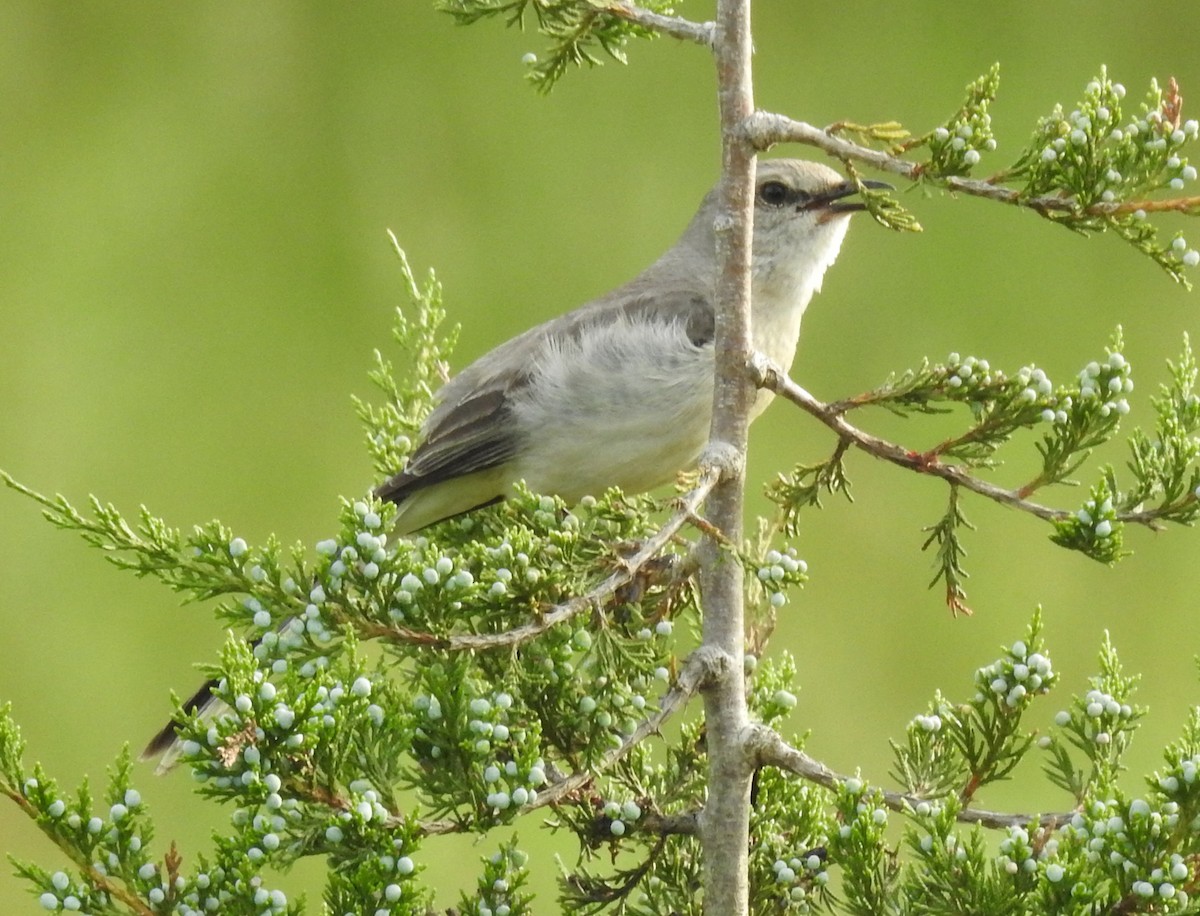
[950, 553]
[957, 145]
[1101, 158]
[393, 425]
[1070, 420]
[579, 30]
[1093, 169]
[516, 674]
[527, 660]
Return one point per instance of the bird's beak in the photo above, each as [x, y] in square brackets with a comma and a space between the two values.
[834, 202]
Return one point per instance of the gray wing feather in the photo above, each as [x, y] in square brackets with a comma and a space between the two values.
[472, 428]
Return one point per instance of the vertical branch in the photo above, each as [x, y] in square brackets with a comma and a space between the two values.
[726, 820]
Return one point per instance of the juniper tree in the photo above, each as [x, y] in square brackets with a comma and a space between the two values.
[537, 662]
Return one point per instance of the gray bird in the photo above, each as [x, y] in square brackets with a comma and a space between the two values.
[619, 391]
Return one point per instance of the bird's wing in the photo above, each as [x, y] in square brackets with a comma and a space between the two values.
[472, 429]
[473, 432]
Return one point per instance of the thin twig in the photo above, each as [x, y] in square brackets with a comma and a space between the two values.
[686, 513]
[686, 824]
[765, 129]
[97, 878]
[684, 29]
[770, 749]
[773, 379]
[701, 666]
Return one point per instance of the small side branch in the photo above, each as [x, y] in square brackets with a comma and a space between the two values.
[773, 379]
[769, 749]
[107, 883]
[702, 667]
[686, 513]
[700, 33]
[764, 129]
[686, 824]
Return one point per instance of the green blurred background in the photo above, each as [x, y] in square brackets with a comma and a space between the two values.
[194, 271]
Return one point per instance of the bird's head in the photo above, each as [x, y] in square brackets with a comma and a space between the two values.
[801, 213]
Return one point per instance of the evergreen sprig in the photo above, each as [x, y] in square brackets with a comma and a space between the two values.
[1108, 165]
[393, 425]
[1101, 725]
[1096, 168]
[1073, 420]
[955, 146]
[501, 888]
[956, 872]
[955, 750]
[950, 553]
[1165, 467]
[578, 30]
[803, 486]
[110, 846]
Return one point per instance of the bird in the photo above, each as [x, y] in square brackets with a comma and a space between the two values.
[617, 392]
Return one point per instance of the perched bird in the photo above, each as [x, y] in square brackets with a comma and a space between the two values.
[619, 391]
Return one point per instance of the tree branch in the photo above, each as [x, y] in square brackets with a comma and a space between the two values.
[725, 822]
[700, 33]
[769, 749]
[686, 824]
[702, 667]
[771, 378]
[764, 129]
[686, 513]
[98, 879]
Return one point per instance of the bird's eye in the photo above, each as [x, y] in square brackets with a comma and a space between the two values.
[773, 193]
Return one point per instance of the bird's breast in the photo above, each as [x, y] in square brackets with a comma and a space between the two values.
[776, 321]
